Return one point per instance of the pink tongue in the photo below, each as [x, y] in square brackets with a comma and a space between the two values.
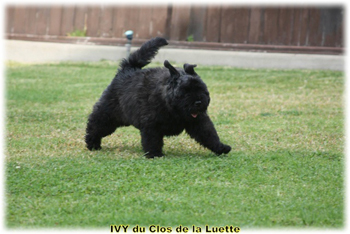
[194, 115]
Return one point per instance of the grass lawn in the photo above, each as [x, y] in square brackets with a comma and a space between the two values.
[286, 167]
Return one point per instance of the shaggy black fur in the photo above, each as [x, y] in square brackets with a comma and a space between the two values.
[158, 101]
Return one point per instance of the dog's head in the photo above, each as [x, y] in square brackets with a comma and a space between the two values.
[186, 91]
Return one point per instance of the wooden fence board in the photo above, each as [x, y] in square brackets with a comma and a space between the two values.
[106, 20]
[295, 40]
[119, 19]
[179, 23]
[331, 20]
[55, 20]
[93, 21]
[240, 20]
[145, 28]
[197, 25]
[159, 21]
[271, 18]
[80, 17]
[31, 20]
[132, 20]
[10, 14]
[339, 41]
[227, 24]
[67, 25]
[300, 27]
[213, 24]
[297, 26]
[315, 28]
[254, 25]
[285, 26]
[304, 28]
[20, 19]
[42, 20]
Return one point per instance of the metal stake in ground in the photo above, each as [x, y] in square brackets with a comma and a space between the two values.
[128, 35]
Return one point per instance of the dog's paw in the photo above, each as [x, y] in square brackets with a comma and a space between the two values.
[94, 147]
[224, 149]
[153, 155]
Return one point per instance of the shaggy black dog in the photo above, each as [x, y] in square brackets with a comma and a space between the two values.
[158, 101]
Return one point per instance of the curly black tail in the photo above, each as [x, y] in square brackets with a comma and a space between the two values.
[144, 55]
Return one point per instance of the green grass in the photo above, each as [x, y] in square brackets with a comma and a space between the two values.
[77, 33]
[286, 167]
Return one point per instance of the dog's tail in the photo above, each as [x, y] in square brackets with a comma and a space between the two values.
[144, 55]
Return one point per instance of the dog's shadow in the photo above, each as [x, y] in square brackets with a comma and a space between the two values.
[137, 151]
[125, 149]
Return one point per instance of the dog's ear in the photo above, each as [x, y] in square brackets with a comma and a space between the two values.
[189, 68]
[173, 72]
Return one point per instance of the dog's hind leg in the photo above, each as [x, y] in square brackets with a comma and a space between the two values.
[100, 124]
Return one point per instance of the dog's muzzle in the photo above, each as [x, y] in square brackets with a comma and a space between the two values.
[197, 109]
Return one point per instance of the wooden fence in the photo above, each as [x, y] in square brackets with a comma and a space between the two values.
[287, 26]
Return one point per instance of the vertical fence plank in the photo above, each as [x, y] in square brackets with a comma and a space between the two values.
[329, 26]
[55, 20]
[67, 25]
[339, 36]
[20, 19]
[227, 24]
[331, 19]
[80, 17]
[285, 26]
[93, 21]
[235, 25]
[271, 26]
[241, 17]
[315, 28]
[145, 28]
[106, 19]
[212, 32]
[169, 16]
[304, 28]
[159, 16]
[132, 21]
[254, 25]
[197, 24]
[42, 20]
[179, 23]
[295, 40]
[31, 20]
[262, 27]
[119, 15]
[10, 17]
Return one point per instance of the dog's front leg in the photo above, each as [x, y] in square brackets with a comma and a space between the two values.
[203, 131]
[152, 143]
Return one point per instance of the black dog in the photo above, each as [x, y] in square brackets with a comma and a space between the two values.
[158, 101]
